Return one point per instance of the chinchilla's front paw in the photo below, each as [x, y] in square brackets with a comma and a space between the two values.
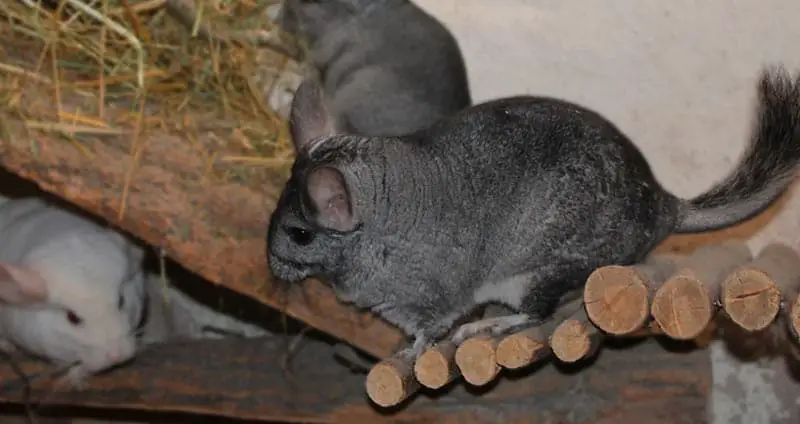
[496, 326]
[415, 350]
[75, 379]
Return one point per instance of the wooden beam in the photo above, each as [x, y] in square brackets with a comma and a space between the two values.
[211, 225]
[244, 379]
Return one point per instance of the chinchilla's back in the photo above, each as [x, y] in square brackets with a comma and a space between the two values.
[391, 70]
[508, 140]
[541, 169]
[27, 223]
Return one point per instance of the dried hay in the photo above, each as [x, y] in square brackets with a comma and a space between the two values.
[129, 67]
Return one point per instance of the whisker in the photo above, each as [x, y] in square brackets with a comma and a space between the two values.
[291, 348]
[353, 361]
[222, 331]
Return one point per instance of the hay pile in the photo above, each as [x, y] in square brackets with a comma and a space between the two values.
[131, 67]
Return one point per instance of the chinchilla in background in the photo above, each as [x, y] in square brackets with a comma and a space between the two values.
[71, 291]
[512, 201]
[387, 66]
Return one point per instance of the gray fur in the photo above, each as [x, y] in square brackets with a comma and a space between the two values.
[387, 66]
[513, 201]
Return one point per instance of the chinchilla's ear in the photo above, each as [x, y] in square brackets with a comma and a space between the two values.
[21, 286]
[287, 18]
[332, 202]
[309, 119]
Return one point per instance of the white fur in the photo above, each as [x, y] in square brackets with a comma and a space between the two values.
[85, 267]
[494, 325]
[510, 291]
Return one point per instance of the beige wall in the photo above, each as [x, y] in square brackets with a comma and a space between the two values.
[678, 77]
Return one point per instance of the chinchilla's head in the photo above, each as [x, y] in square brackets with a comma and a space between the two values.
[317, 223]
[313, 19]
[76, 299]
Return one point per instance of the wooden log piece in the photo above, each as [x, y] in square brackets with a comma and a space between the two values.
[575, 338]
[436, 367]
[476, 358]
[650, 329]
[685, 303]
[751, 294]
[706, 336]
[617, 298]
[523, 348]
[391, 381]
[792, 314]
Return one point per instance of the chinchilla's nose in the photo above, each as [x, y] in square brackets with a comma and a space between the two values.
[121, 352]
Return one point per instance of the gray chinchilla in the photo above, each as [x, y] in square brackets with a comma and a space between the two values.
[386, 66]
[512, 201]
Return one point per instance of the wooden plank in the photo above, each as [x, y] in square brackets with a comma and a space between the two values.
[244, 379]
[214, 226]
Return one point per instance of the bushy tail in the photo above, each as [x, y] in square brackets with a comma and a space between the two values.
[768, 167]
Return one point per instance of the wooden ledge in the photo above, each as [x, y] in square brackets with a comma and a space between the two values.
[244, 378]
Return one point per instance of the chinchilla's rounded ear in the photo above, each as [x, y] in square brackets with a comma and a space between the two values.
[331, 201]
[287, 18]
[21, 286]
[309, 120]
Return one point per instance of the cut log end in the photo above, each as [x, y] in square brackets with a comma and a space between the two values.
[436, 367]
[616, 299]
[769, 280]
[682, 308]
[793, 318]
[391, 382]
[574, 340]
[521, 349]
[751, 299]
[477, 359]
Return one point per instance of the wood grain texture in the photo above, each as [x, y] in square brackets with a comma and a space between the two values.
[242, 378]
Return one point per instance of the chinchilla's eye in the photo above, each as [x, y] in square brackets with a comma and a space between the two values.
[300, 236]
[73, 318]
[121, 302]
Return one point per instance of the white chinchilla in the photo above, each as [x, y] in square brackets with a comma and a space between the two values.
[71, 291]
